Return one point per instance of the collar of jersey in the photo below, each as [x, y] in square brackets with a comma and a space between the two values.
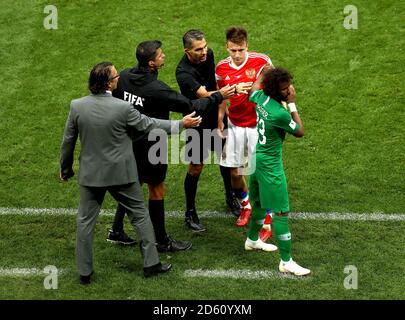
[232, 65]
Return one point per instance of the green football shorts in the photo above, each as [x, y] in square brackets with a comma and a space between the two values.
[270, 189]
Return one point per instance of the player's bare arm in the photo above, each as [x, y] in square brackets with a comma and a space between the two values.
[222, 109]
[267, 67]
[291, 98]
[258, 83]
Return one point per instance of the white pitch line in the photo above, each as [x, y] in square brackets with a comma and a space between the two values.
[8, 272]
[239, 274]
[20, 271]
[46, 211]
[191, 273]
[348, 216]
[217, 214]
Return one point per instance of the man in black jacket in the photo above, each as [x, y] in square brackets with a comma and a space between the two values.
[195, 75]
[152, 97]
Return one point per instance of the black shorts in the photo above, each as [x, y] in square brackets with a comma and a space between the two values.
[149, 173]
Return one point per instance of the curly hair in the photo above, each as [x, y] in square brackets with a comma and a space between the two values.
[99, 77]
[272, 80]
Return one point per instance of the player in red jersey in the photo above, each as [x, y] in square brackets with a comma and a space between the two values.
[241, 68]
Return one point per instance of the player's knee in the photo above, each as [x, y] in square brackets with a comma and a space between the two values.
[195, 169]
[235, 173]
[157, 191]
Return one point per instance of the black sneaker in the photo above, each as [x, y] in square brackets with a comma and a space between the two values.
[156, 269]
[173, 246]
[193, 222]
[120, 237]
[233, 204]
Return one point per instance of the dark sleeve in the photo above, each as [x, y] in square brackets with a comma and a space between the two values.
[188, 84]
[204, 105]
[176, 102]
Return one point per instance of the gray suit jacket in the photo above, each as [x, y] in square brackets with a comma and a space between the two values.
[103, 124]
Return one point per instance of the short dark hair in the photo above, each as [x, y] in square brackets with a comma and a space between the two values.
[272, 80]
[99, 77]
[190, 36]
[236, 35]
[146, 51]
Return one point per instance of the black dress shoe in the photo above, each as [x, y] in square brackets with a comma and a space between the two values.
[193, 222]
[173, 245]
[156, 269]
[86, 279]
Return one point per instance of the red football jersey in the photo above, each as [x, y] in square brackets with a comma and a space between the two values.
[242, 112]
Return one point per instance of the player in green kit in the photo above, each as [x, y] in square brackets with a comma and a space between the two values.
[268, 185]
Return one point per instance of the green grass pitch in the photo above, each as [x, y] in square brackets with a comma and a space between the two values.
[350, 89]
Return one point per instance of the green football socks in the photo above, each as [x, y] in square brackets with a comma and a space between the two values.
[256, 222]
[283, 235]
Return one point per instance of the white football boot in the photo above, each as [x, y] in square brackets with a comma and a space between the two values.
[259, 245]
[293, 268]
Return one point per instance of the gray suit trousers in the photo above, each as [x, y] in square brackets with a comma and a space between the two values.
[131, 197]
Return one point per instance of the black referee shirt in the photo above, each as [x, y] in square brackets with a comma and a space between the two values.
[191, 77]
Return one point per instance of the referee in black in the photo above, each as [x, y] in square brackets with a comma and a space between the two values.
[195, 75]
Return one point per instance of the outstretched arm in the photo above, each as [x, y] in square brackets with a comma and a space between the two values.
[141, 122]
[226, 92]
[176, 102]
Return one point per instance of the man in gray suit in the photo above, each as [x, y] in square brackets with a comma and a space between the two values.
[107, 163]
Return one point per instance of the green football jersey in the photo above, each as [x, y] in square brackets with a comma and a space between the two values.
[273, 121]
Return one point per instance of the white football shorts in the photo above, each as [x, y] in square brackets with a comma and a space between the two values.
[239, 149]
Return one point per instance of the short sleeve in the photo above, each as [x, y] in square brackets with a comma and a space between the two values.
[284, 121]
[255, 96]
[187, 82]
[220, 81]
[218, 76]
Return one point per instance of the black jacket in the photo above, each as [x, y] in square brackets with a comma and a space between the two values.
[156, 99]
